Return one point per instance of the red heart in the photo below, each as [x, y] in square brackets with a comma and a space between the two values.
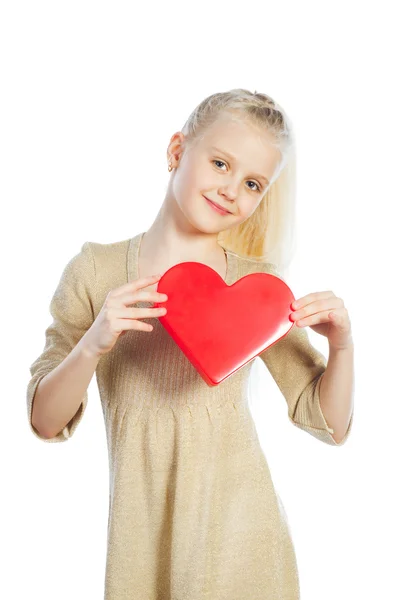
[222, 327]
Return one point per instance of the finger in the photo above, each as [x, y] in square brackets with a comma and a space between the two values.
[135, 326]
[321, 317]
[143, 296]
[300, 302]
[340, 315]
[136, 284]
[317, 307]
[139, 313]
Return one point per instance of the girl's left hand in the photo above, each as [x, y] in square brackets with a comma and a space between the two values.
[326, 314]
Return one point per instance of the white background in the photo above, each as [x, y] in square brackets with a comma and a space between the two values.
[91, 93]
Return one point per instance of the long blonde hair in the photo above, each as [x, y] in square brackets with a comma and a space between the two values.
[269, 233]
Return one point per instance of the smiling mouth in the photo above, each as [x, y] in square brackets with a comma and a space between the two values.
[228, 212]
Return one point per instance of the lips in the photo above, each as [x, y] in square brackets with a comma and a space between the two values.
[219, 206]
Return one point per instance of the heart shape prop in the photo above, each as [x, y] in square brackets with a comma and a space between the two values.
[222, 327]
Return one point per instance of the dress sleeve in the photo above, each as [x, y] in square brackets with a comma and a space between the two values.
[71, 308]
[297, 368]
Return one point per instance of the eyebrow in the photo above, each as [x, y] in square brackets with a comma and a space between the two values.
[234, 158]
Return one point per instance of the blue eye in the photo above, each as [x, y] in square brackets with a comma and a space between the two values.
[218, 161]
[258, 187]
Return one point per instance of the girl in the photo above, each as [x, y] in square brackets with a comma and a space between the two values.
[193, 512]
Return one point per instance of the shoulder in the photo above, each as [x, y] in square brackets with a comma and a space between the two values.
[112, 264]
[110, 259]
[93, 256]
[108, 254]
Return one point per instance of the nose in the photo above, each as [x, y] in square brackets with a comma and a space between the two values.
[229, 192]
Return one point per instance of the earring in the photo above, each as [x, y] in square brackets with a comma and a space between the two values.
[170, 167]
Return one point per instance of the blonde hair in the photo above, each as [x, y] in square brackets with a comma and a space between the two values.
[269, 233]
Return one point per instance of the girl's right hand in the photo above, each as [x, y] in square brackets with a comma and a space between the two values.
[116, 316]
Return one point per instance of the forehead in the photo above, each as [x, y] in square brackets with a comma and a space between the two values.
[248, 143]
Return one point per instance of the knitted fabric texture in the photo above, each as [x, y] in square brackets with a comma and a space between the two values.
[193, 512]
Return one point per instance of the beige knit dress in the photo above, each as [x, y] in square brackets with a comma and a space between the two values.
[193, 512]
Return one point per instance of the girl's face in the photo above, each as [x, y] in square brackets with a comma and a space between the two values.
[231, 165]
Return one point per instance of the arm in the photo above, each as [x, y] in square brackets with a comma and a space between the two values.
[337, 389]
[63, 370]
[59, 394]
[298, 369]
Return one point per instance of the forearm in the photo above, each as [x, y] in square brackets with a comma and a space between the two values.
[337, 390]
[59, 394]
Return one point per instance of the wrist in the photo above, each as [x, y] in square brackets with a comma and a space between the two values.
[346, 346]
[87, 349]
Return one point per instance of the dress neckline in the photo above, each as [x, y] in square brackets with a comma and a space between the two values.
[133, 259]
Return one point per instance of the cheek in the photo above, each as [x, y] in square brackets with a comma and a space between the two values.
[248, 205]
[187, 190]
[190, 184]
